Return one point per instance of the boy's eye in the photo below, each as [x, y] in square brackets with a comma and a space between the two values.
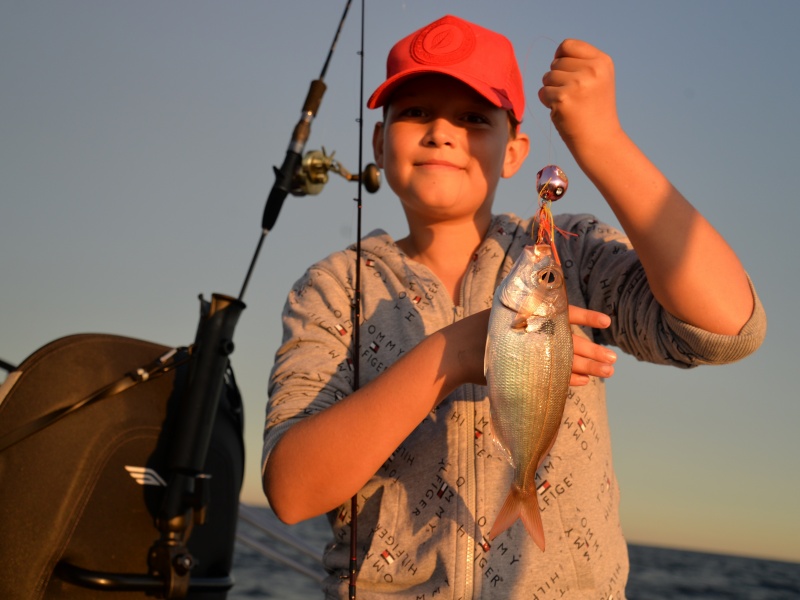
[476, 118]
[412, 111]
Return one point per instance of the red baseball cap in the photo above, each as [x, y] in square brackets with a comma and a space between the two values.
[479, 57]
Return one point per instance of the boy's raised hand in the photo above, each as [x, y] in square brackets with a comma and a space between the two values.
[579, 91]
[693, 272]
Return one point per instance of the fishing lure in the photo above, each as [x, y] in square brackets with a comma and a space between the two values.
[551, 185]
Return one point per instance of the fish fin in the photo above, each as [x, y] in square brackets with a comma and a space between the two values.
[546, 452]
[532, 519]
[520, 321]
[508, 514]
[503, 450]
[486, 360]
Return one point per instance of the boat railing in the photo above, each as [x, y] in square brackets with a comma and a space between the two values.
[256, 519]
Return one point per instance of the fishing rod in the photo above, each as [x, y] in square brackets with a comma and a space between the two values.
[185, 498]
[357, 310]
[300, 174]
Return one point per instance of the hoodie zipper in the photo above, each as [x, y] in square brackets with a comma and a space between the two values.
[469, 497]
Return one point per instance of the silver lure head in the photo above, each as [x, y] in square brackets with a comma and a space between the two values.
[534, 287]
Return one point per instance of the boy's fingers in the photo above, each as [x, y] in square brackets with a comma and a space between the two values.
[576, 380]
[590, 359]
[583, 349]
[575, 49]
[567, 64]
[588, 318]
[583, 368]
[583, 376]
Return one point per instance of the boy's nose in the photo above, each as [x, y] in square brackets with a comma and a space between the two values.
[440, 133]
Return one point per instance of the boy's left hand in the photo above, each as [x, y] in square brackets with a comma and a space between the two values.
[579, 91]
[589, 359]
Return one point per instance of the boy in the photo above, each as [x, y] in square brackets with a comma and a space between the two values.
[414, 441]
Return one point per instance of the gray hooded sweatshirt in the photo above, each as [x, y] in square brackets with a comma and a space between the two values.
[424, 517]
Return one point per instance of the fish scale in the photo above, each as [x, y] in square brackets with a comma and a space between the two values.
[528, 366]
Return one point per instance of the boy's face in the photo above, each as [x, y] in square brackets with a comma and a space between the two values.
[444, 148]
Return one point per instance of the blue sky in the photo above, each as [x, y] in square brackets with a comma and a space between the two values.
[137, 141]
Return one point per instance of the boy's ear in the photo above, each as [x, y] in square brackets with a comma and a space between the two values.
[516, 152]
[377, 143]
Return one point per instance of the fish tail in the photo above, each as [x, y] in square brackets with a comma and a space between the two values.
[519, 505]
[508, 515]
[532, 519]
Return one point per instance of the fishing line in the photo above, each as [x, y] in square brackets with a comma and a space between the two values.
[552, 154]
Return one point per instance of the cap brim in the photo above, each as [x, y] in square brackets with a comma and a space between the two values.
[384, 92]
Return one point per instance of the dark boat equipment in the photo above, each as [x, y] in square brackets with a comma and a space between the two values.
[174, 411]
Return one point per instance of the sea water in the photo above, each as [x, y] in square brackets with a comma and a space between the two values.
[656, 573]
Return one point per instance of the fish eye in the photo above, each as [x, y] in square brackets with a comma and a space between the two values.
[548, 277]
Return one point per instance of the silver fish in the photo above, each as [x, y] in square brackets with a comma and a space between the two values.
[528, 364]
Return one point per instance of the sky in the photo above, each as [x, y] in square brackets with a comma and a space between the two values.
[137, 141]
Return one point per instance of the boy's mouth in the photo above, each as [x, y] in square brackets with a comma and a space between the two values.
[434, 163]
